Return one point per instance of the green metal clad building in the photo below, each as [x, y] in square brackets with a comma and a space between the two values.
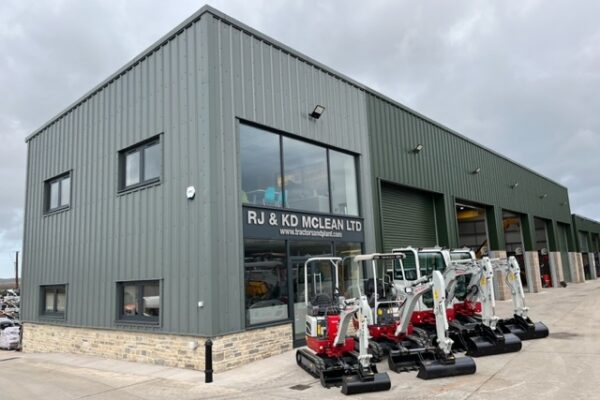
[178, 200]
[587, 242]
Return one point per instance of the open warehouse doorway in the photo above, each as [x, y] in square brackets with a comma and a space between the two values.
[541, 246]
[472, 228]
[513, 237]
[588, 256]
[596, 249]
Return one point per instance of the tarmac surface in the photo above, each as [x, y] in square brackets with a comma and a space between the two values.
[566, 365]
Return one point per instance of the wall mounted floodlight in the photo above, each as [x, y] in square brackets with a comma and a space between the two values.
[476, 171]
[514, 185]
[418, 148]
[317, 112]
[564, 203]
[544, 196]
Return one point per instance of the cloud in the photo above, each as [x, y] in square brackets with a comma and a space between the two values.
[519, 77]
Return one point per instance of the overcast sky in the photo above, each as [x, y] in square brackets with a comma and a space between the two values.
[521, 77]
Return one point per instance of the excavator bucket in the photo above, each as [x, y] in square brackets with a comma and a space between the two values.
[479, 340]
[442, 368]
[481, 346]
[366, 382]
[524, 328]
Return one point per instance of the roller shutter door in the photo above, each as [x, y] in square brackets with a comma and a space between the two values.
[408, 217]
[564, 252]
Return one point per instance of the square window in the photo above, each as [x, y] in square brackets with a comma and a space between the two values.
[139, 301]
[58, 193]
[54, 300]
[140, 165]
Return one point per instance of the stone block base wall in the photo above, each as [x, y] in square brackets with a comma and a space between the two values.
[592, 264]
[231, 351]
[501, 289]
[556, 268]
[534, 277]
[180, 351]
[576, 267]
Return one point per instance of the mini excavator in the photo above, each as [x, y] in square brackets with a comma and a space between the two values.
[520, 324]
[392, 333]
[330, 354]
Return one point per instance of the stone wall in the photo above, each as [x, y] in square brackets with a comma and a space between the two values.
[501, 289]
[592, 265]
[576, 267]
[534, 277]
[556, 268]
[229, 351]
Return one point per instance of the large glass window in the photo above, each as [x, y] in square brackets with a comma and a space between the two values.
[265, 280]
[314, 178]
[58, 193]
[139, 301]
[261, 167]
[305, 172]
[54, 300]
[140, 165]
[344, 196]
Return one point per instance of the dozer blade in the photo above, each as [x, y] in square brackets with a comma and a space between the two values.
[433, 369]
[481, 346]
[404, 361]
[329, 371]
[524, 328]
[376, 382]
[332, 376]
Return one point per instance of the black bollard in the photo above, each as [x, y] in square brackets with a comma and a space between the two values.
[208, 369]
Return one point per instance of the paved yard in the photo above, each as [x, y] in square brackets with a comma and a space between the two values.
[564, 366]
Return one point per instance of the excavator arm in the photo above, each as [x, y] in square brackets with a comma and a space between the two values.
[413, 293]
[520, 325]
[480, 287]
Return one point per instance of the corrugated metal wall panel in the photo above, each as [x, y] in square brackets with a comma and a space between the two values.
[408, 217]
[152, 233]
[446, 163]
[253, 80]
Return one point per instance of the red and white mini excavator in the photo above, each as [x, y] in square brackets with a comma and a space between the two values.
[520, 324]
[330, 354]
[476, 334]
[389, 323]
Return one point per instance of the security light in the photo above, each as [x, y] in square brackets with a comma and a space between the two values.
[544, 196]
[476, 171]
[515, 185]
[317, 112]
[564, 203]
[418, 148]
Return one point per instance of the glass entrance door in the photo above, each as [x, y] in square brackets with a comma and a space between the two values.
[299, 311]
[299, 252]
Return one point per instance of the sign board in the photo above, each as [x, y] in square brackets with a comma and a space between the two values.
[261, 223]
